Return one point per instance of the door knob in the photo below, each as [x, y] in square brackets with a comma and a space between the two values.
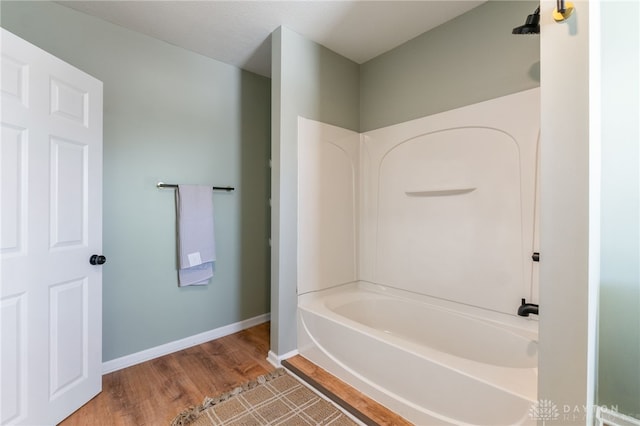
[97, 259]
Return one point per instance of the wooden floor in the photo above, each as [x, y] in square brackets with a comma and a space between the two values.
[361, 406]
[154, 392]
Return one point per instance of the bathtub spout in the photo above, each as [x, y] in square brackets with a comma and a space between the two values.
[527, 308]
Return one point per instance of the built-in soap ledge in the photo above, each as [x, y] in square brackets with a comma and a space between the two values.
[439, 192]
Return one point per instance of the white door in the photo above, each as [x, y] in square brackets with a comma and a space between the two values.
[51, 225]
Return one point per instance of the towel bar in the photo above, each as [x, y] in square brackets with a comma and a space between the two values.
[215, 188]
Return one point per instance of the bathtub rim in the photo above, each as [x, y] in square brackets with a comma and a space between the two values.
[526, 325]
[499, 377]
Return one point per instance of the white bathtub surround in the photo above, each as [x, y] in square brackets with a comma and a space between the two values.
[328, 194]
[438, 214]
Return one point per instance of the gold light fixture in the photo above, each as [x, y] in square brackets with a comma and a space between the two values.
[563, 10]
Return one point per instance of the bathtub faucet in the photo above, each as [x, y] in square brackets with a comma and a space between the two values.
[527, 308]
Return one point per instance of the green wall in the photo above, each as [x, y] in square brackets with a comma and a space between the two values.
[175, 116]
[619, 316]
[469, 59]
[309, 80]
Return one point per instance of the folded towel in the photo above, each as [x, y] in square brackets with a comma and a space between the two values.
[196, 245]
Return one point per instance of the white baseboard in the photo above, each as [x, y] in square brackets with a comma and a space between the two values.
[276, 359]
[178, 345]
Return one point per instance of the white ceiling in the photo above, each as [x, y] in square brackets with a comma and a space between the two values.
[238, 32]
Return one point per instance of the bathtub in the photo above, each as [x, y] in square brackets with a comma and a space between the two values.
[431, 361]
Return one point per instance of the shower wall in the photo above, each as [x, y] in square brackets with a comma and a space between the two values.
[328, 190]
[442, 206]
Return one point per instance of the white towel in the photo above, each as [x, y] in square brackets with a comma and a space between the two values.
[196, 244]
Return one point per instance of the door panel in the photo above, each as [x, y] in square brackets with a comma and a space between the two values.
[69, 102]
[51, 224]
[68, 193]
[13, 152]
[68, 335]
[14, 366]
